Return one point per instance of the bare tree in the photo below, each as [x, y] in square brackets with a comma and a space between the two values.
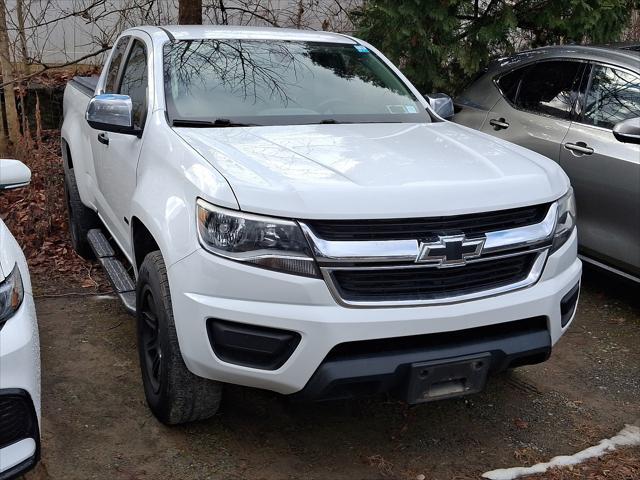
[32, 24]
[4, 144]
[13, 125]
[633, 33]
[20, 13]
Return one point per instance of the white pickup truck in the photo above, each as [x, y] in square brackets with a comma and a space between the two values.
[282, 209]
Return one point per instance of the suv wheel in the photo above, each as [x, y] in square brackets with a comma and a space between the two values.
[81, 218]
[174, 394]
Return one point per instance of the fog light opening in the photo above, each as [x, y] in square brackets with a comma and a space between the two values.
[568, 305]
[251, 345]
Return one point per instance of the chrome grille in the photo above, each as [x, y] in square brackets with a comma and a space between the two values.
[422, 228]
[430, 283]
[391, 268]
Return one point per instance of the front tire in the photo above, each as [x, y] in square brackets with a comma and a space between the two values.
[81, 218]
[173, 393]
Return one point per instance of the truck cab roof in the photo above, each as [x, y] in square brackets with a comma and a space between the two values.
[203, 32]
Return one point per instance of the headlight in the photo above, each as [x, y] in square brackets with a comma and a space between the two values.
[264, 241]
[566, 221]
[11, 295]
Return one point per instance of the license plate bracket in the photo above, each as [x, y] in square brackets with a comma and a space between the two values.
[437, 380]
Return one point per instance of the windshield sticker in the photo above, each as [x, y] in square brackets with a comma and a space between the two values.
[400, 109]
[361, 48]
[396, 109]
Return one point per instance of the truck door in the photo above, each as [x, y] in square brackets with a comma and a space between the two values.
[112, 69]
[117, 165]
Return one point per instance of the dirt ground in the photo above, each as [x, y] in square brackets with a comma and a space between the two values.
[96, 424]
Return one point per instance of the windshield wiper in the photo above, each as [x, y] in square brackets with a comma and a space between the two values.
[217, 123]
[331, 121]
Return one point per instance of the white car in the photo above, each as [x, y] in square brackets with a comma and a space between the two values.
[298, 218]
[19, 347]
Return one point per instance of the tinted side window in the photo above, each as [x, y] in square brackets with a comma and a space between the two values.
[614, 96]
[509, 83]
[134, 82]
[550, 88]
[114, 65]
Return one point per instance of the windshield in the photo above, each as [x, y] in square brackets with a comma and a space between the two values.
[277, 82]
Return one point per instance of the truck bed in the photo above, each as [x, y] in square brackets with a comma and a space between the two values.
[86, 85]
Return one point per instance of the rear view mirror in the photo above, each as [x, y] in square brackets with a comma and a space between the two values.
[13, 174]
[628, 131]
[111, 113]
[441, 104]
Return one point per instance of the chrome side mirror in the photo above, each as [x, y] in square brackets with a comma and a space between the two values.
[13, 174]
[112, 113]
[628, 131]
[441, 104]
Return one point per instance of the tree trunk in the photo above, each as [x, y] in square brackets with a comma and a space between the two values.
[22, 37]
[297, 22]
[4, 141]
[38, 121]
[7, 75]
[189, 12]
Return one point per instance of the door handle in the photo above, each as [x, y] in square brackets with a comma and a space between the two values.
[498, 123]
[579, 147]
[103, 138]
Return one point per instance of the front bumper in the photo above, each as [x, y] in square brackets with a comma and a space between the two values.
[376, 366]
[205, 286]
[19, 392]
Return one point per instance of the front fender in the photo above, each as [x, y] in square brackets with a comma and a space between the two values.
[171, 176]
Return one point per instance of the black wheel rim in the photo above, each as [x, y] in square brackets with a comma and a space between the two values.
[150, 339]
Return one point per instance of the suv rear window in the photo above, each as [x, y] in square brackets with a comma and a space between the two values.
[509, 84]
[550, 88]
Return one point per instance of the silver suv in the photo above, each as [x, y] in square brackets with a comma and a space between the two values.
[579, 106]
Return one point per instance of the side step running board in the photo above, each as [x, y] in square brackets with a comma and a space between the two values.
[120, 279]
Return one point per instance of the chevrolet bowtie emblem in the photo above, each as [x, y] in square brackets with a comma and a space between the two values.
[450, 251]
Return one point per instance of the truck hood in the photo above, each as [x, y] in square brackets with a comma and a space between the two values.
[375, 170]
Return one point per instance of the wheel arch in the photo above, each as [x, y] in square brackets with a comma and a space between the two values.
[152, 229]
[142, 242]
[67, 158]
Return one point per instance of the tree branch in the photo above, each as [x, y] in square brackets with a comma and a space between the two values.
[79, 13]
[54, 67]
[253, 14]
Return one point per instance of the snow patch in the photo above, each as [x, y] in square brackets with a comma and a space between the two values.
[104, 297]
[628, 436]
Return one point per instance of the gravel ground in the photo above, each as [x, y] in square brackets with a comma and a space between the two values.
[96, 424]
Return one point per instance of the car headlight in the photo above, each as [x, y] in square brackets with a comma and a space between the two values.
[11, 295]
[267, 242]
[566, 220]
